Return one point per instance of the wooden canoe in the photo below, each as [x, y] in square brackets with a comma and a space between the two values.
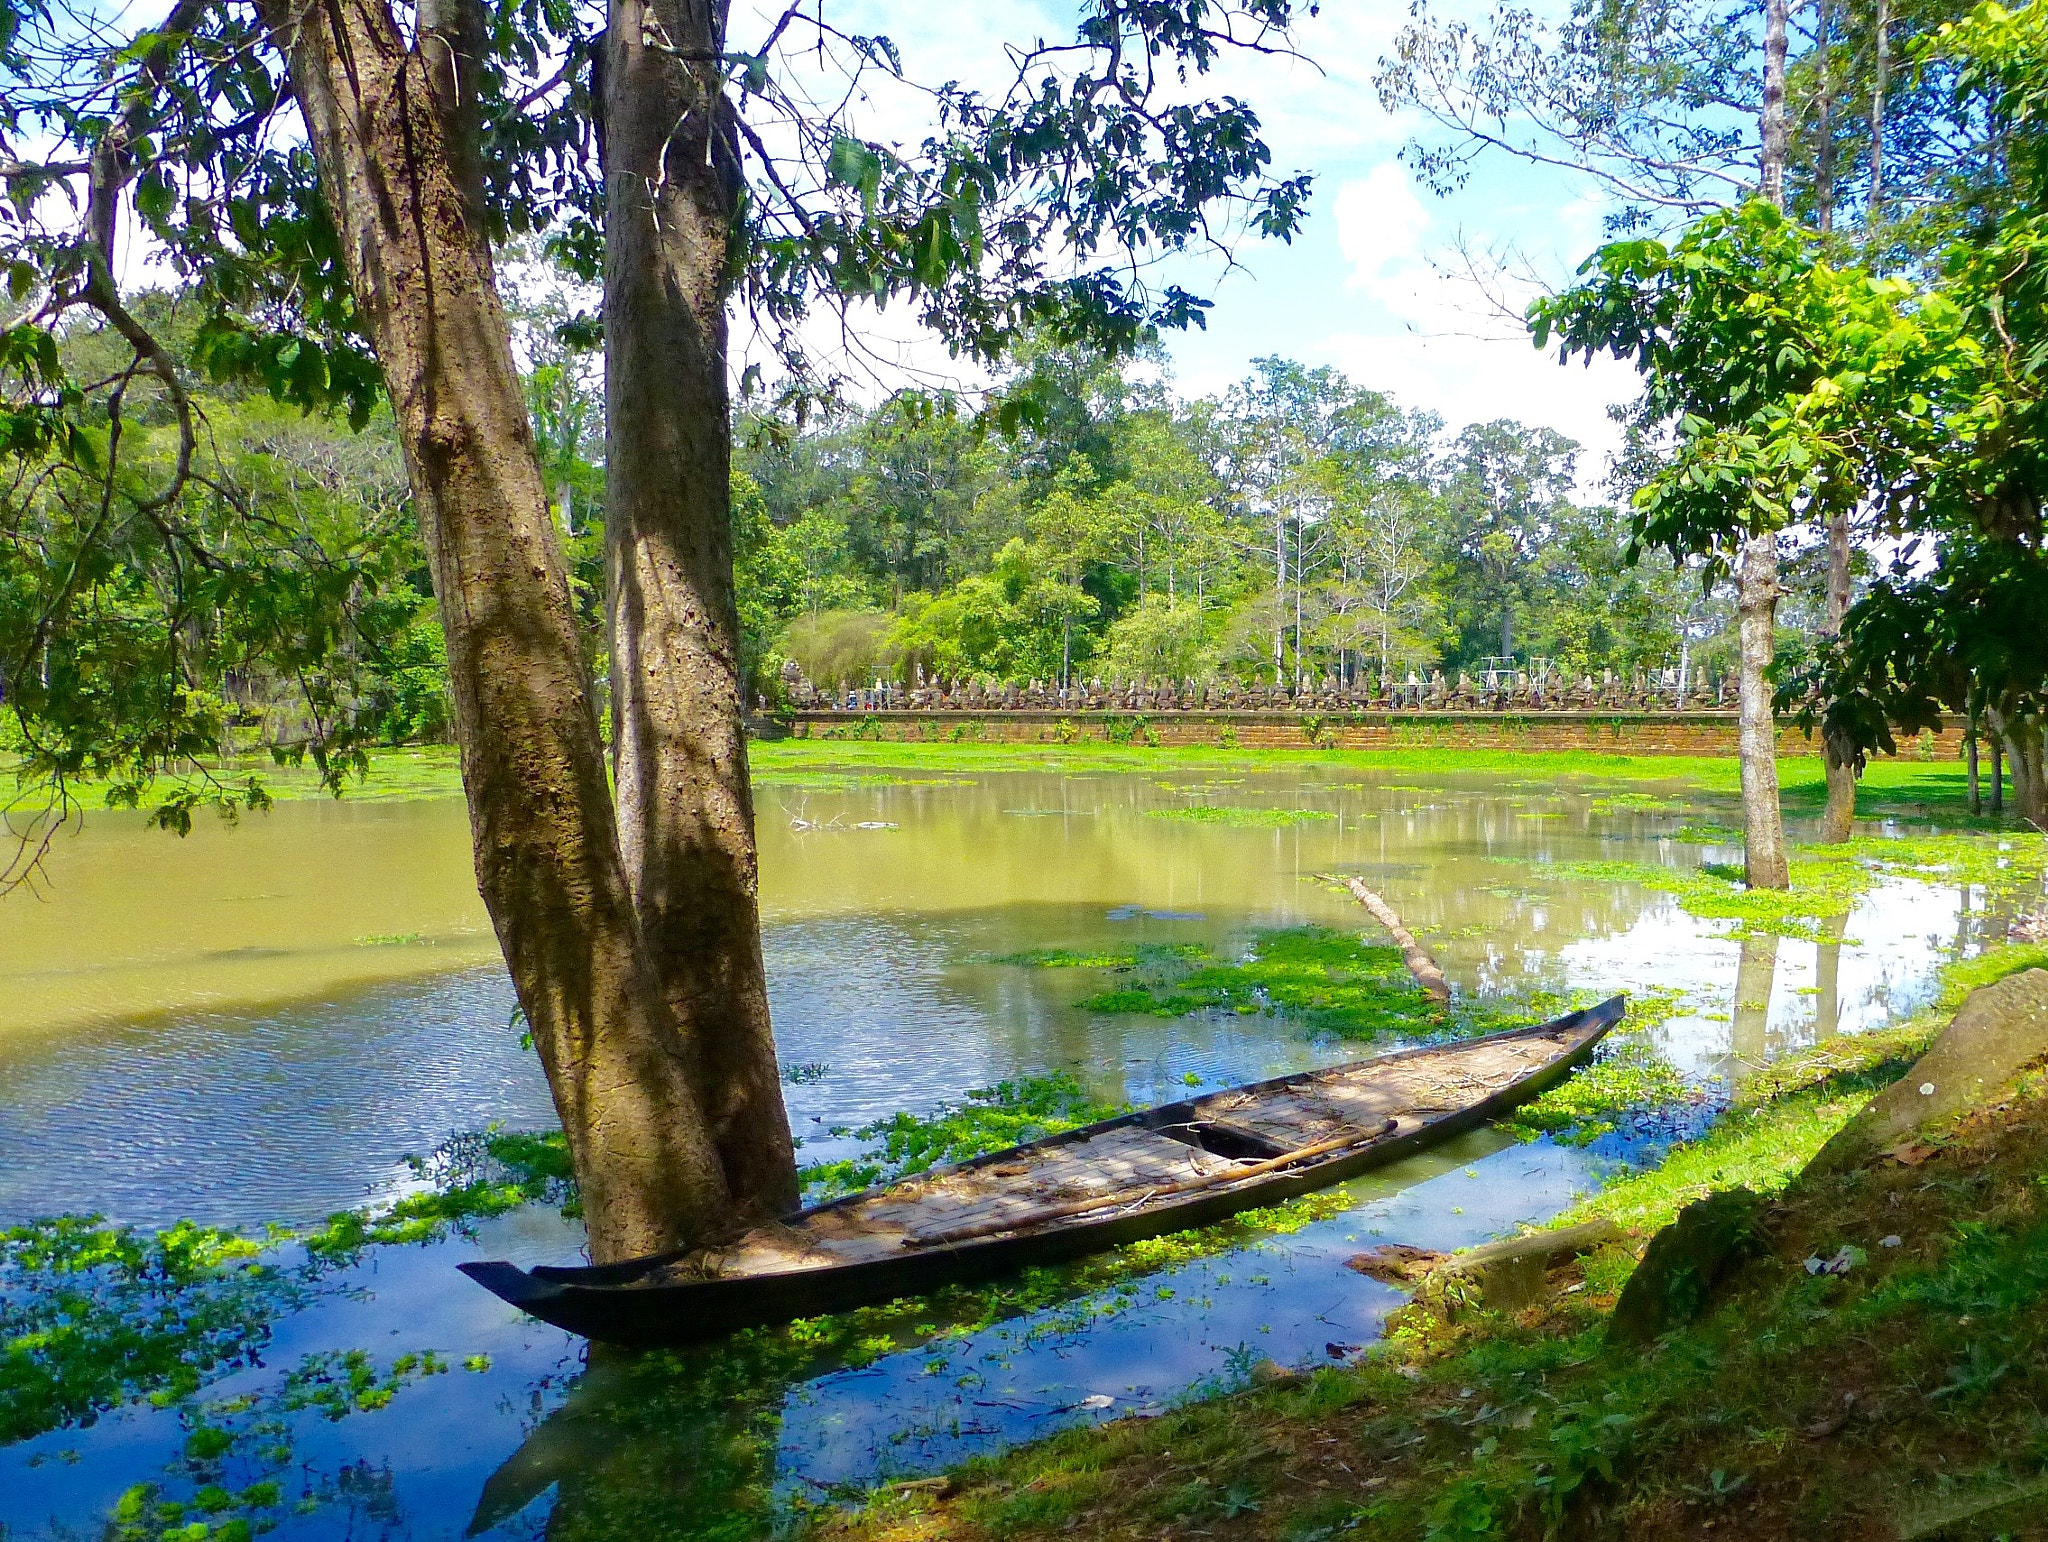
[1144, 1174]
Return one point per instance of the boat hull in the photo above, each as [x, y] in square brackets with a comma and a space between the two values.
[616, 1303]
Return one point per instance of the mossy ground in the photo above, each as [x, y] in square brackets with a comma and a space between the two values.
[1900, 1400]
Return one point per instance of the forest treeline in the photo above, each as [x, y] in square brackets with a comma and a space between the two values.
[1084, 521]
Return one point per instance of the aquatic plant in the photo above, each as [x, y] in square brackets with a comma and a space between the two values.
[92, 1315]
[990, 1119]
[1241, 818]
[1331, 982]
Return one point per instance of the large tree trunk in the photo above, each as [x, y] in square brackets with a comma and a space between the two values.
[2023, 742]
[1763, 825]
[1838, 820]
[686, 813]
[393, 132]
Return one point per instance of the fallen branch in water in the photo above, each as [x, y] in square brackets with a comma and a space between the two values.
[1413, 954]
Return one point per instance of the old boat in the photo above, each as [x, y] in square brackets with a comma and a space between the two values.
[1141, 1175]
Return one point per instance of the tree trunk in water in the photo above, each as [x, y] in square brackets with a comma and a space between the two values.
[394, 135]
[1763, 825]
[1838, 820]
[686, 814]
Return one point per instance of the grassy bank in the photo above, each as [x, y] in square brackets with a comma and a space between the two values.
[1898, 1399]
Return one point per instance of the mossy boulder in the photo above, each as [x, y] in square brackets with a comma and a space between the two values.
[2000, 1030]
[1675, 1281]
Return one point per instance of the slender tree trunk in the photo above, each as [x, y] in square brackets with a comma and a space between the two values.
[393, 131]
[1997, 773]
[1824, 158]
[1763, 824]
[1776, 130]
[1838, 820]
[686, 813]
[1881, 50]
[1280, 594]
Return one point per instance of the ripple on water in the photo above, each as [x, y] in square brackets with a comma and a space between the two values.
[880, 960]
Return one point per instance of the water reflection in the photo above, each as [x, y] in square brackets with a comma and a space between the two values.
[1756, 972]
[129, 1088]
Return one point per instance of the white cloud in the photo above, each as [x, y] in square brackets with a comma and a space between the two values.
[1433, 336]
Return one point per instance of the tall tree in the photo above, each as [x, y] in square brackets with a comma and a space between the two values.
[628, 929]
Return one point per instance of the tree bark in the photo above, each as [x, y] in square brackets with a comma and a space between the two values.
[1879, 80]
[686, 814]
[1824, 150]
[1763, 824]
[394, 134]
[1757, 603]
[1838, 820]
[2024, 745]
[1776, 131]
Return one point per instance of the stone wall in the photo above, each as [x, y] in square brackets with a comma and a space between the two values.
[1611, 733]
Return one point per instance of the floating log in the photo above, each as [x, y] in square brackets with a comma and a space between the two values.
[1413, 954]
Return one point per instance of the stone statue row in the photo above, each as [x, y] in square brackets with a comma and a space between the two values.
[1652, 691]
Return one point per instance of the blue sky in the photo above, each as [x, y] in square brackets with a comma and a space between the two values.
[1370, 285]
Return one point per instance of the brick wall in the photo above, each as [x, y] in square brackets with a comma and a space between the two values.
[1649, 733]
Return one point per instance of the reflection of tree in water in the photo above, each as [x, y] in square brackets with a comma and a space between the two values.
[1827, 1020]
[1755, 973]
[672, 1444]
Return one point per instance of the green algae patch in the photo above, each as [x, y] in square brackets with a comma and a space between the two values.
[1241, 818]
[1329, 981]
[992, 1118]
[1827, 880]
[93, 1315]
[1106, 958]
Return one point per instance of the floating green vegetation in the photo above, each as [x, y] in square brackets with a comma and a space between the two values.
[1628, 1082]
[1330, 981]
[991, 1118]
[1106, 958]
[1827, 879]
[93, 1315]
[1707, 835]
[470, 1177]
[389, 940]
[1820, 892]
[1242, 818]
[805, 779]
[1635, 803]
